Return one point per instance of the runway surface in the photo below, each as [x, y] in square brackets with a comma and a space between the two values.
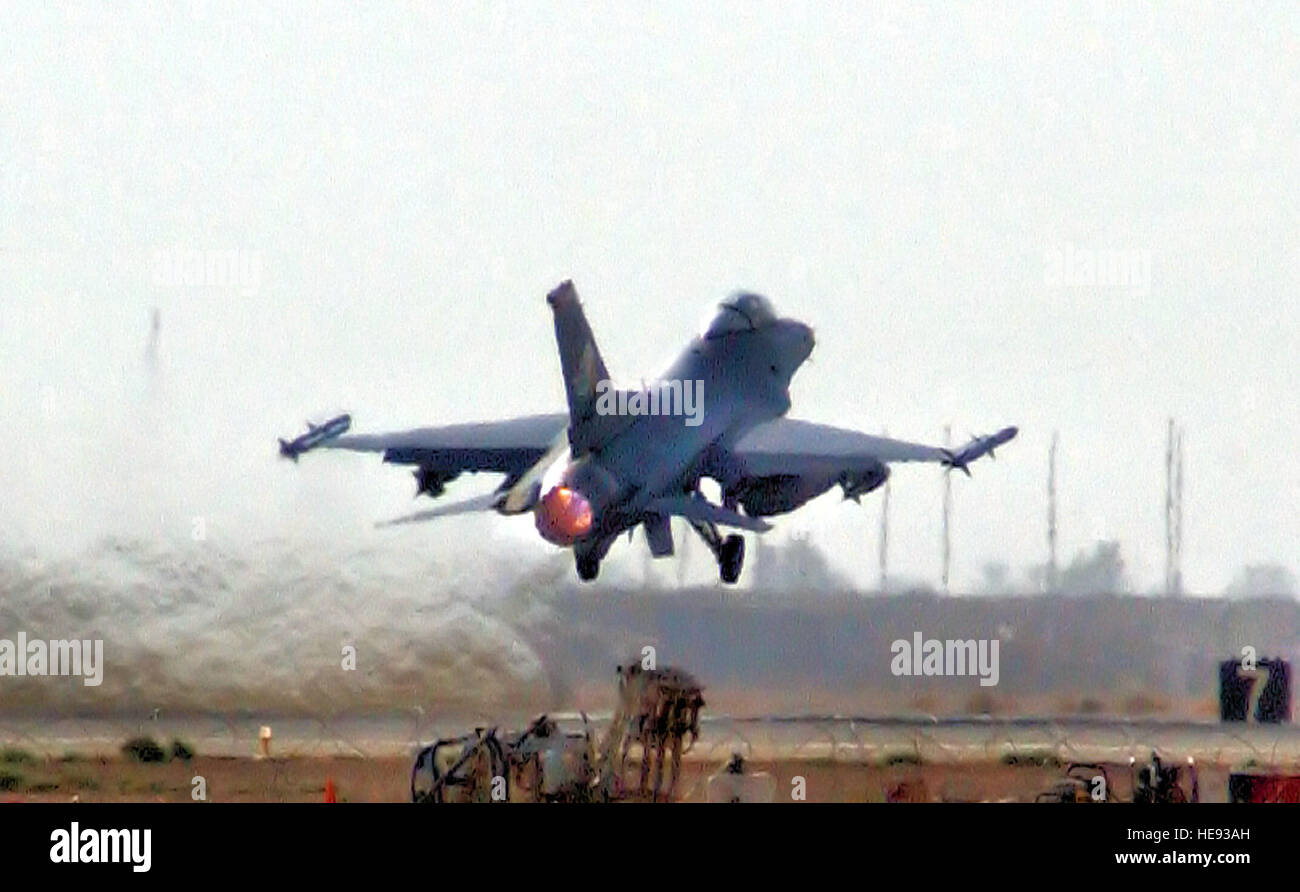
[866, 739]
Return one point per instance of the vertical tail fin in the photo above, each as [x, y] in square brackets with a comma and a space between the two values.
[583, 369]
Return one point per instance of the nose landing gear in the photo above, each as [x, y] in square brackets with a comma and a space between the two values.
[731, 558]
[588, 566]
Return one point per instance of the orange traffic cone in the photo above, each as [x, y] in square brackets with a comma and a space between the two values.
[330, 794]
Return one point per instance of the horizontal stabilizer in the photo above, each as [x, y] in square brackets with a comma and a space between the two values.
[486, 502]
[700, 508]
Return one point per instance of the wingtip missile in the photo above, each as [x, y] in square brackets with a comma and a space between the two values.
[315, 436]
[977, 448]
[954, 460]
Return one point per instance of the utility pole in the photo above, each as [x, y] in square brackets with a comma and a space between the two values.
[947, 514]
[884, 536]
[151, 346]
[1178, 517]
[1051, 581]
[1174, 510]
[683, 557]
[1169, 509]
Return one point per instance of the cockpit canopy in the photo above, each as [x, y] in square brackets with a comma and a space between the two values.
[741, 312]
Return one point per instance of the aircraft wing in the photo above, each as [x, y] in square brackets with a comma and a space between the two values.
[515, 447]
[507, 446]
[789, 446]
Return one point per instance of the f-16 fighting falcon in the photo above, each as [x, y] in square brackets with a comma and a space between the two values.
[620, 459]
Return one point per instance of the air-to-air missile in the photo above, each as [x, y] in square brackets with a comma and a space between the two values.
[977, 447]
[316, 434]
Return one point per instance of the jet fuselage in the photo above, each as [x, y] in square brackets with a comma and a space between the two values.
[743, 377]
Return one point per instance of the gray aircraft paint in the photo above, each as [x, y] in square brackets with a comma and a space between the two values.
[655, 455]
[592, 475]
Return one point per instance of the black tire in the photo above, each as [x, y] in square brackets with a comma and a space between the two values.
[588, 567]
[732, 558]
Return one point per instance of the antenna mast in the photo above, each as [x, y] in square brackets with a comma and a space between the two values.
[947, 515]
[884, 536]
[1051, 580]
[1174, 510]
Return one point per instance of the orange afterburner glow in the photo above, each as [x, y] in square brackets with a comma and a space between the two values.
[563, 515]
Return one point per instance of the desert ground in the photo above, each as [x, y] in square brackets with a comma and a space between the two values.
[28, 778]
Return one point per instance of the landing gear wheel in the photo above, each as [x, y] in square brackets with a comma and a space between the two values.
[731, 557]
[588, 567]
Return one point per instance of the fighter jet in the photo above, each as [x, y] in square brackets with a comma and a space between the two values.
[626, 458]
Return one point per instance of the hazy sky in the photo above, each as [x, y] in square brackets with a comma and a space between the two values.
[927, 185]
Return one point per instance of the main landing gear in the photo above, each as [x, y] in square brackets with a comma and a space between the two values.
[730, 552]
